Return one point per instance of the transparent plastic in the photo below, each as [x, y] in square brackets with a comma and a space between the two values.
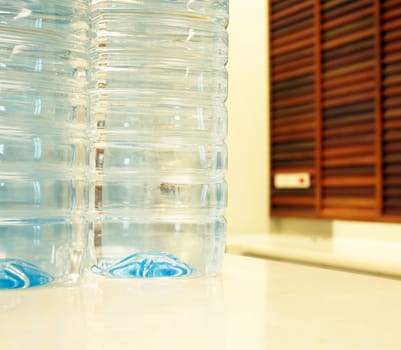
[44, 149]
[158, 87]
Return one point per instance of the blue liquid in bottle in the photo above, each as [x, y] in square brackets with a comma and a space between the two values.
[16, 273]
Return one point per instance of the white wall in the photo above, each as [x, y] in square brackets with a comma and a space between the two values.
[247, 135]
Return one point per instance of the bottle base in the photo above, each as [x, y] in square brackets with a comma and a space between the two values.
[145, 265]
[16, 273]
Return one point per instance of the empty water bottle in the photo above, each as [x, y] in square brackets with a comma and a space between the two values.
[43, 141]
[158, 89]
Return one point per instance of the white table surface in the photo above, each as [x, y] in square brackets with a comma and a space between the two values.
[254, 304]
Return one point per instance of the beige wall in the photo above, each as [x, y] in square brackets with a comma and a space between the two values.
[248, 142]
[247, 135]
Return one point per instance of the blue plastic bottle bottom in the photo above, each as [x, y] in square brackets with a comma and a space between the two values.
[16, 273]
[145, 265]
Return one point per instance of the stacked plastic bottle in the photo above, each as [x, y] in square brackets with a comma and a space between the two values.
[43, 141]
[158, 89]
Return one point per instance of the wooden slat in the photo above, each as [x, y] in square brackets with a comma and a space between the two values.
[348, 28]
[348, 89]
[349, 213]
[349, 17]
[338, 152]
[357, 76]
[391, 216]
[291, 56]
[393, 203]
[357, 108]
[393, 147]
[340, 192]
[367, 54]
[294, 200]
[298, 192]
[392, 191]
[279, 94]
[392, 135]
[388, 5]
[291, 28]
[350, 161]
[351, 181]
[344, 8]
[357, 139]
[308, 145]
[288, 11]
[306, 135]
[348, 49]
[392, 113]
[349, 69]
[279, 5]
[300, 155]
[301, 70]
[294, 164]
[292, 47]
[392, 102]
[291, 101]
[393, 200]
[294, 119]
[291, 128]
[392, 124]
[392, 57]
[392, 69]
[349, 119]
[349, 130]
[392, 158]
[286, 112]
[392, 90]
[392, 181]
[303, 16]
[300, 212]
[294, 83]
[349, 171]
[290, 38]
[352, 202]
[389, 36]
[294, 146]
[329, 44]
[393, 24]
[391, 46]
[302, 169]
[329, 4]
[394, 13]
[280, 68]
[347, 99]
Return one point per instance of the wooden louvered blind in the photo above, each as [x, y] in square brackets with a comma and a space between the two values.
[391, 106]
[293, 99]
[336, 108]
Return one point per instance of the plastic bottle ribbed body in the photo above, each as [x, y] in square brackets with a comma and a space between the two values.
[158, 89]
[44, 152]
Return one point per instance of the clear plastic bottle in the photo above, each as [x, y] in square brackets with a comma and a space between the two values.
[158, 89]
[44, 152]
